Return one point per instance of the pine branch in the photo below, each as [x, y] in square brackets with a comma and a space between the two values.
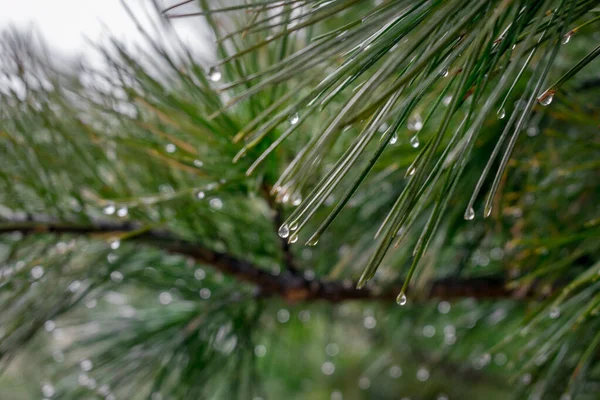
[287, 285]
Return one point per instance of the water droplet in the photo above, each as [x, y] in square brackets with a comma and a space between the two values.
[104, 390]
[370, 322]
[546, 98]
[414, 141]
[37, 272]
[199, 274]
[446, 100]
[116, 276]
[429, 331]
[411, 171]
[294, 226]
[328, 368]
[296, 199]
[170, 148]
[485, 359]
[500, 359]
[284, 231]
[49, 326]
[122, 212]
[312, 241]
[260, 350]
[293, 238]
[394, 139]
[115, 244]
[86, 365]
[567, 38]
[501, 113]
[109, 209]
[165, 298]
[487, 212]
[200, 195]
[415, 122]
[215, 203]
[332, 349]
[445, 73]
[554, 312]
[48, 390]
[469, 214]
[532, 131]
[444, 307]
[423, 374]
[395, 372]
[294, 118]
[401, 299]
[205, 293]
[198, 163]
[214, 74]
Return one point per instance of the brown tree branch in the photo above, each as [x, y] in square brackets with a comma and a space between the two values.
[292, 287]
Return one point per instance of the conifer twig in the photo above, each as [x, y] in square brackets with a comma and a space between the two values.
[289, 286]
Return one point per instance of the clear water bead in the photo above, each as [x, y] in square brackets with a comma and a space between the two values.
[395, 371]
[37, 272]
[414, 141]
[469, 214]
[411, 171]
[447, 100]
[200, 195]
[328, 368]
[122, 212]
[86, 365]
[284, 231]
[445, 73]
[394, 139]
[170, 148]
[501, 113]
[567, 38]
[109, 210]
[487, 212]
[215, 203]
[294, 118]
[364, 383]
[49, 325]
[415, 122]
[296, 199]
[293, 238]
[532, 131]
[546, 98]
[214, 74]
[554, 312]
[401, 299]
[423, 374]
[48, 390]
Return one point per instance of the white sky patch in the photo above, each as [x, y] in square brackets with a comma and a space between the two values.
[65, 24]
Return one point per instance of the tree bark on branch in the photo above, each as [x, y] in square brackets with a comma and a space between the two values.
[287, 285]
